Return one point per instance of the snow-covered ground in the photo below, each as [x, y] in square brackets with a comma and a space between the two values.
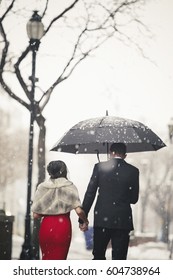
[146, 251]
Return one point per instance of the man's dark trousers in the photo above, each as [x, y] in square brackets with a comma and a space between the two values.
[119, 239]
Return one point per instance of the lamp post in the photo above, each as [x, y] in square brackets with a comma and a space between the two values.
[35, 31]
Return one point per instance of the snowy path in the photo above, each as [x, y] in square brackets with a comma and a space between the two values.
[147, 251]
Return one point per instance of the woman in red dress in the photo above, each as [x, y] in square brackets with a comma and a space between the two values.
[53, 201]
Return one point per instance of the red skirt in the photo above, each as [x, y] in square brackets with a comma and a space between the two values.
[55, 236]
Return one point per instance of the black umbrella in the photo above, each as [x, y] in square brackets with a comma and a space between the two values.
[96, 134]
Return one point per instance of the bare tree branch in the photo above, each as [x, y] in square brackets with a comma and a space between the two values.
[68, 69]
[5, 49]
[46, 7]
[61, 15]
[2, 65]
[18, 73]
[11, 94]
[75, 58]
[7, 10]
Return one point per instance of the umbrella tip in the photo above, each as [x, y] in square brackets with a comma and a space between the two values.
[106, 112]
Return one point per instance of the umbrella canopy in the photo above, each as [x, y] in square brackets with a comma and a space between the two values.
[95, 136]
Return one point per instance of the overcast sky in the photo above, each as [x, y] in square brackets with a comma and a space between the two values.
[116, 78]
[120, 80]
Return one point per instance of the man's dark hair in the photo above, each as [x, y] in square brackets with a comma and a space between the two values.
[119, 148]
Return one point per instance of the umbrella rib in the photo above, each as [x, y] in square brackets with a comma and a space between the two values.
[101, 121]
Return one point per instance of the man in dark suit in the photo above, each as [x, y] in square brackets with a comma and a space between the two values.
[117, 183]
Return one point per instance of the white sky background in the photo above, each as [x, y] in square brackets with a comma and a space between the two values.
[120, 80]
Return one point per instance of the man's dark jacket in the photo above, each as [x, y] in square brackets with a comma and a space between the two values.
[117, 183]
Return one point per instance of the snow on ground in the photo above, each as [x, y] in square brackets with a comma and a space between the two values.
[149, 251]
[146, 251]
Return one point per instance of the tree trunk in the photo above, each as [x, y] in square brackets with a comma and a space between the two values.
[41, 150]
[165, 228]
[144, 204]
[143, 215]
[41, 177]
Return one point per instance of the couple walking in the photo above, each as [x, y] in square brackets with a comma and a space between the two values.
[116, 184]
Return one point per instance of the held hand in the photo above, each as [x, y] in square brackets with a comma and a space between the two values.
[83, 227]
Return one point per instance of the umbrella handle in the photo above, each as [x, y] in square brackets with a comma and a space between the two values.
[107, 147]
[97, 151]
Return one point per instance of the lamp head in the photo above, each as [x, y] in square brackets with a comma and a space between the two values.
[34, 27]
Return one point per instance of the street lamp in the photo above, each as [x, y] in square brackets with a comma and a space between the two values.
[170, 128]
[35, 31]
